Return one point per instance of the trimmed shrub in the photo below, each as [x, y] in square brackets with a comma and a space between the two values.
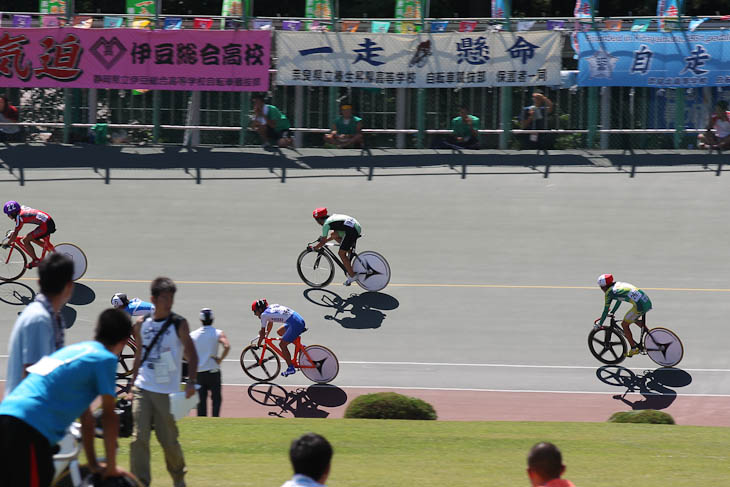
[649, 416]
[389, 405]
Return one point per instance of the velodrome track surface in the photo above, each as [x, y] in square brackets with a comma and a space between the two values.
[493, 288]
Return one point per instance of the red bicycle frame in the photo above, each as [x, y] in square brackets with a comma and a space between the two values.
[18, 243]
[299, 348]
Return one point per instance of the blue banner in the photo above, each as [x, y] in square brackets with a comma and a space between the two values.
[656, 59]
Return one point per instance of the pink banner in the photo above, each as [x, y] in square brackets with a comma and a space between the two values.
[133, 59]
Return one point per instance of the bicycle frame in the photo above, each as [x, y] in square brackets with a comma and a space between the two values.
[18, 243]
[269, 343]
[616, 327]
[336, 258]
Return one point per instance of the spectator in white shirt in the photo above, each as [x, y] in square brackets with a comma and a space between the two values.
[206, 340]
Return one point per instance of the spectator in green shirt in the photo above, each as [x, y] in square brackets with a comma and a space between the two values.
[270, 123]
[465, 132]
[347, 130]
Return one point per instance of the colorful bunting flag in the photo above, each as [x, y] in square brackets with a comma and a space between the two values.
[555, 24]
[524, 25]
[111, 22]
[262, 24]
[350, 25]
[613, 25]
[50, 21]
[141, 23]
[640, 25]
[172, 23]
[20, 20]
[467, 26]
[695, 22]
[439, 25]
[379, 26]
[203, 23]
[291, 25]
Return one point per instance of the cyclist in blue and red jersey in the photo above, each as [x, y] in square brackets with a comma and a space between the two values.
[26, 214]
[292, 325]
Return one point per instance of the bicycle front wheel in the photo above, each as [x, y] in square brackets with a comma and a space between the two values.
[318, 364]
[664, 347]
[77, 255]
[12, 263]
[315, 268]
[373, 269]
[261, 368]
[607, 345]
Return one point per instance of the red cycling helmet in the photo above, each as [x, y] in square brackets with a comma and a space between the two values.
[320, 213]
[605, 280]
[259, 305]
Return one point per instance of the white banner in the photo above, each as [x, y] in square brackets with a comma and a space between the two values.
[424, 60]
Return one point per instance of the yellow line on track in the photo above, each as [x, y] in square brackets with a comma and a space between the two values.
[412, 285]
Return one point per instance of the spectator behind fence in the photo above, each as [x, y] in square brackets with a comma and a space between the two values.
[270, 123]
[347, 130]
[157, 372]
[311, 456]
[720, 123]
[545, 466]
[39, 330]
[9, 114]
[206, 340]
[59, 388]
[537, 117]
[464, 132]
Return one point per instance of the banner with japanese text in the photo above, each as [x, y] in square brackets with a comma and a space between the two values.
[52, 7]
[656, 59]
[419, 60]
[135, 59]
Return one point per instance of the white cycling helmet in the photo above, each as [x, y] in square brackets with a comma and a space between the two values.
[206, 315]
[120, 300]
[605, 280]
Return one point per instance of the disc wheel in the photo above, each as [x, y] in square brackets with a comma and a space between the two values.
[319, 364]
[664, 347]
[374, 270]
[315, 268]
[77, 255]
[607, 345]
[258, 368]
[12, 263]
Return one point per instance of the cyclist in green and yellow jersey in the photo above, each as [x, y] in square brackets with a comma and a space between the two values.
[623, 291]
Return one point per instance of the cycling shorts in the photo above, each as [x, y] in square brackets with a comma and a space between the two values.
[274, 134]
[348, 241]
[294, 327]
[44, 229]
[633, 314]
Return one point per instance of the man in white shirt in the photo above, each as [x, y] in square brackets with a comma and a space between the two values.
[311, 456]
[206, 340]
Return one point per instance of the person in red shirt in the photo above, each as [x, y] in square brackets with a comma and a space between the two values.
[545, 466]
[23, 215]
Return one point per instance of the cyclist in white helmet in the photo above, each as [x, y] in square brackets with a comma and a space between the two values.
[135, 307]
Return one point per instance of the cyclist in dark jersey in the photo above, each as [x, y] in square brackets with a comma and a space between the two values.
[345, 230]
[26, 214]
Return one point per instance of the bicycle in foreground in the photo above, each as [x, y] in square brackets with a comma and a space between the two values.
[609, 345]
[318, 363]
[14, 258]
[317, 267]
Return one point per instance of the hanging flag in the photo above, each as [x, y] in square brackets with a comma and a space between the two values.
[555, 24]
[20, 20]
[291, 25]
[499, 10]
[141, 7]
[614, 25]
[407, 9]
[439, 25]
[232, 8]
[317, 9]
[640, 25]
[695, 22]
[524, 25]
[172, 23]
[83, 22]
[111, 22]
[55, 7]
[350, 25]
[585, 8]
[379, 26]
[141, 23]
[467, 26]
[262, 24]
[667, 10]
[50, 21]
[203, 23]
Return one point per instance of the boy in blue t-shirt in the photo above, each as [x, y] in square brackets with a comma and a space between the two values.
[58, 389]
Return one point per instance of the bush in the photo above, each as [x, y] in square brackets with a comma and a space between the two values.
[389, 405]
[649, 416]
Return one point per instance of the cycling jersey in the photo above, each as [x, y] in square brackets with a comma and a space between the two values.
[623, 291]
[30, 215]
[281, 314]
[137, 307]
[340, 224]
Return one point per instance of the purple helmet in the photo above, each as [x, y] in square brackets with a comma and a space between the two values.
[11, 207]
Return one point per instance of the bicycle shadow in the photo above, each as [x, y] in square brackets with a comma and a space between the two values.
[297, 403]
[16, 293]
[654, 385]
[360, 311]
[82, 295]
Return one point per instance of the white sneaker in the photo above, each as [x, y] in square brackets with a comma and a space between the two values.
[350, 280]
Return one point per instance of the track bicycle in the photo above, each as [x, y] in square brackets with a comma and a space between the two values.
[609, 345]
[318, 363]
[317, 267]
[14, 258]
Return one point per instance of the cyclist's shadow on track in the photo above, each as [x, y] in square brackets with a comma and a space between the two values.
[654, 385]
[358, 311]
[299, 403]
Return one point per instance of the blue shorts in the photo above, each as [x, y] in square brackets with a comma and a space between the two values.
[294, 328]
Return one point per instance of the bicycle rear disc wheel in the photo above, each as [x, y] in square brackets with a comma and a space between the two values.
[315, 268]
[374, 269]
[318, 364]
[77, 255]
[664, 347]
[12, 263]
[262, 370]
[607, 345]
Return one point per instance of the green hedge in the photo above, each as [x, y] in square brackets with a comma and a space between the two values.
[389, 405]
[650, 416]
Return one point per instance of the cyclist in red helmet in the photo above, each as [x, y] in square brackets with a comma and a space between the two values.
[23, 215]
[345, 230]
[623, 291]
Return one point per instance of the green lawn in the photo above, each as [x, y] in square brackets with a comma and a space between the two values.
[253, 452]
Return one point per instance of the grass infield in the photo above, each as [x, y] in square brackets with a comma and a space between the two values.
[254, 452]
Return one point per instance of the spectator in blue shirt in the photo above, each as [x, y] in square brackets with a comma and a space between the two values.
[310, 456]
[39, 330]
[60, 388]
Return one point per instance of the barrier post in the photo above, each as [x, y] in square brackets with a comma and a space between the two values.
[332, 90]
[156, 95]
[505, 92]
[679, 118]
[421, 92]
[245, 97]
[592, 116]
[67, 94]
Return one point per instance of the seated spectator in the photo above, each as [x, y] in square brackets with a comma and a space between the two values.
[9, 114]
[347, 130]
[310, 456]
[270, 123]
[545, 466]
[465, 132]
[537, 117]
[720, 123]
